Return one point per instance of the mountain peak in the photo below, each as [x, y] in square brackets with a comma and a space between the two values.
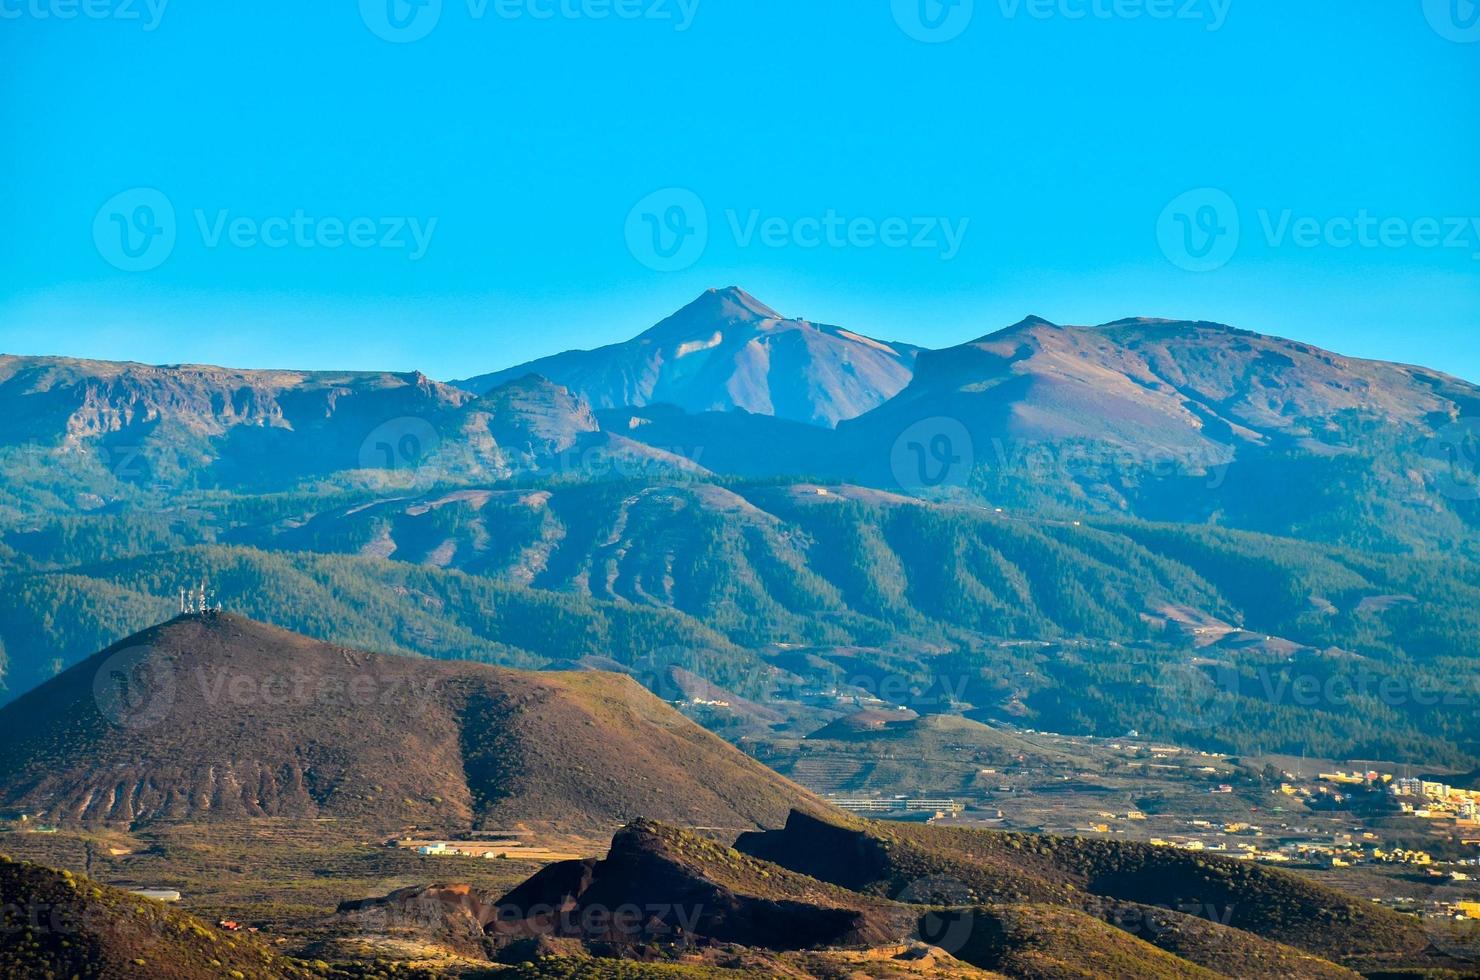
[731, 302]
[1027, 324]
[728, 351]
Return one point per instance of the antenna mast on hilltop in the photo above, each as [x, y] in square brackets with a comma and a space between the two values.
[199, 600]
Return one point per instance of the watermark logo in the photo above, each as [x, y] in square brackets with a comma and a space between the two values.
[1213, 13]
[1152, 922]
[668, 230]
[1454, 20]
[601, 462]
[1192, 697]
[938, 21]
[1199, 230]
[133, 689]
[933, 21]
[1095, 462]
[680, 13]
[404, 21]
[1455, 449]
[403, 445]
[21, 922]
[135, 229]
[1360, 688]
[932, 453]
[401, 21]
[948, 928]
[1449, 912]
[671, 922]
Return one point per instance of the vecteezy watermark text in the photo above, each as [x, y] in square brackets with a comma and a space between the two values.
[1212, 13]
[939, 21]
[137, 687]
[1201, 229]
[833, 230]
[137, 230]
[302, 230]
[669, 230]
[147, 12]
[404, 21]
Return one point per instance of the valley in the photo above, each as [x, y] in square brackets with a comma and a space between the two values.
[365, 866]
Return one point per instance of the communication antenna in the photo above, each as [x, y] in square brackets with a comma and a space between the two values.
[200, 600]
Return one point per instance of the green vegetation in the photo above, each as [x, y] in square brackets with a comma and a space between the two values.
[1171, 630]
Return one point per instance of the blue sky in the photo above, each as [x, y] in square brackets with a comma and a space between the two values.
[524, 176]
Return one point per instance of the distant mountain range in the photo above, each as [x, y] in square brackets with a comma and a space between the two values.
[1169, 420]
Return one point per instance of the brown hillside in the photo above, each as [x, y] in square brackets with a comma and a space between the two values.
[688, 887]
[1196, 388]
[57, 924]
[225, 718]
[981, 866]
[685, 891]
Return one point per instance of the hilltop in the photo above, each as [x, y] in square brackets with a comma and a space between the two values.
[58, 924]
[222, 718]
[1192, 388]
[996, 867]
[690, 893]
[693, 887]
